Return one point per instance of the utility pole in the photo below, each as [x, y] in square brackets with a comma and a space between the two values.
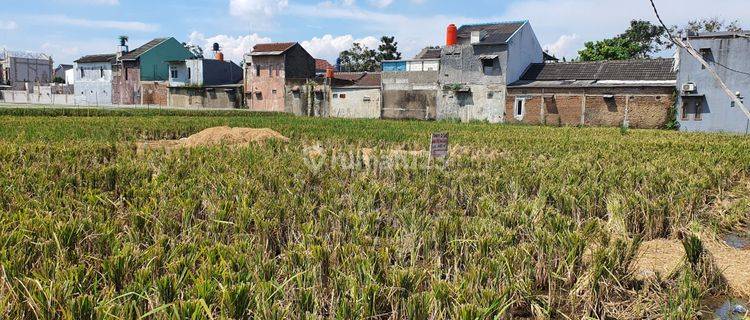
[690, 50]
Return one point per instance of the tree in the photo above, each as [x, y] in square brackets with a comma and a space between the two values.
[639, 41]
[358, 59]
[388, 49]
[713, 24]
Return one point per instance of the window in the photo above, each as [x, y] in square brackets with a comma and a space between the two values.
[342, 96]
[490, 66]
[270, 70]
[520, 107]
[273, 91]
[175, 74]
[125, 70]
[83, 73]
[101, 72]
[684, 115]
[190, 74]
[335, 95]
[257, 71]
[366, 99]
[278, 70]
[707, 55]
[698, 111]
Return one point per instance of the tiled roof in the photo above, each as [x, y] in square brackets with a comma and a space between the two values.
[429, 53]
[97, 58]
[279, 47]
[630, 70]
[322, 65]
[497, 33]
[132, 55]
[356, 79]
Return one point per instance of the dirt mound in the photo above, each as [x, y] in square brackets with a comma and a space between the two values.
[664, 256]
[219, 136]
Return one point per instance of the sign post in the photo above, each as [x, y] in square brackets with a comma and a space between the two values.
[439, 146]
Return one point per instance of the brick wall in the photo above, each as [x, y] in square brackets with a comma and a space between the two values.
[155, 93]
[647, 107]
[126, 85]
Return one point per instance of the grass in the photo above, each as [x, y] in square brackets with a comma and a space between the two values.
[534, 222]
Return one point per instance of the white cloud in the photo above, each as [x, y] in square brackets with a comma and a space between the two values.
[565, 46]
[593, 20]
[233, 48]
[328, 47]
[257, 12]
[381, 3]
[99, 24]
[8, 25]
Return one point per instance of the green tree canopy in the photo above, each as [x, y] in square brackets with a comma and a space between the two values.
[388, 49]
[639, 41]
[358, 59]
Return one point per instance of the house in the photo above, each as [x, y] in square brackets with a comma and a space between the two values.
[93, 79]
[20, 70]
[410, 87]
[205, 83]
[702, 105]
[61, 71]
[355, 95]
[269, 68]
[476, 65]
[636, 93]
[321, 66]
[141, 75]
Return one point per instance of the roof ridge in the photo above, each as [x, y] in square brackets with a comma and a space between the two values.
[494, 23]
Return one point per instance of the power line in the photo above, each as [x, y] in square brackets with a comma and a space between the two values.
[690, 50]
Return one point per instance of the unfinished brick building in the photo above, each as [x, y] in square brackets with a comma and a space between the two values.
[639, 93]
[268, 69]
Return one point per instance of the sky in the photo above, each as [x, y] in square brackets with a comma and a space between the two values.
[69, 29]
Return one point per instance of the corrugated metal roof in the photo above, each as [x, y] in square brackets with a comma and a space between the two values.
[132, 55]
[497, 33]
[648, 69]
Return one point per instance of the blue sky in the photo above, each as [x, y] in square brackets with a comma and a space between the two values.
[68, 29]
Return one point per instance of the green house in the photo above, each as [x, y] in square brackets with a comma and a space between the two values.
[152, 57]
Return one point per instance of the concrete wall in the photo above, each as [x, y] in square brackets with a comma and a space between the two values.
[20, 71]
[265, 81]
[410, 95]
[474, 102]
[717, 111]
[208, 98]
[641, 107]
[355, 103]
[38, 97]
[306, 98]
[461, 64]
[91, 87]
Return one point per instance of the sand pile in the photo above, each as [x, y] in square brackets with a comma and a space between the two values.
[665, 256]
[219, 136]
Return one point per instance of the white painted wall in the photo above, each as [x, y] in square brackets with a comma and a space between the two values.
[93, 83]
[357, 103]
[191, 67]
[423, 65]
